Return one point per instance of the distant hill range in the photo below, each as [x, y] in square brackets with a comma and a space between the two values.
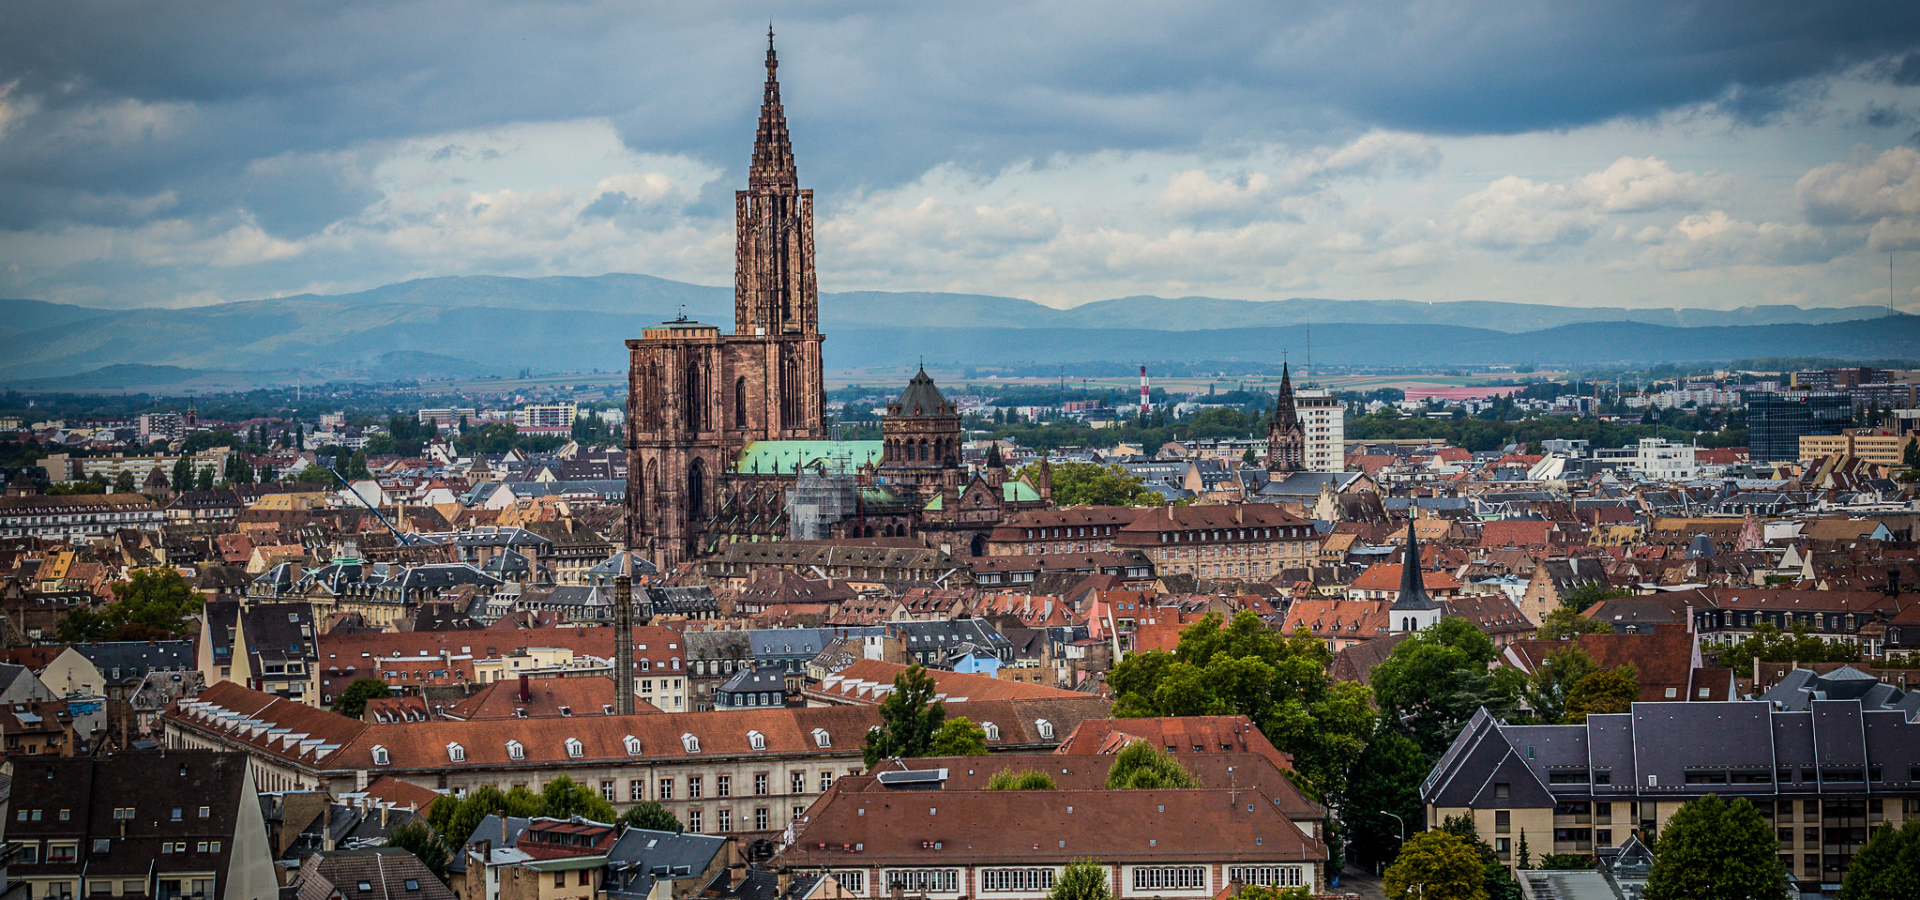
[478, 325]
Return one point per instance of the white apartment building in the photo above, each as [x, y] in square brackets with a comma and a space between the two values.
[547, 415]
[1324, 418]
[1664, 460]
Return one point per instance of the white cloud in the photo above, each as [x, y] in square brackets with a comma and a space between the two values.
[1518, 213]
[1883, 191]
[1716, 240]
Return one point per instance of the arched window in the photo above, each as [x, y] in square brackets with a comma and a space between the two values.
[690, 743]
[1045, 727]
[992, 730]
[456, 753]
[696, 491]
[575, 748]
[379, 755]
[693, 398]
[633, 745]
[821, 739]
[740, 402]
[756, 740]
[516, 750]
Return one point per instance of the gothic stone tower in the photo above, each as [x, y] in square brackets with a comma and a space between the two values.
[696, 397]
[1286, 438]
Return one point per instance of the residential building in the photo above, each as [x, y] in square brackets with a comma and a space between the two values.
[1239, 540]
[932, 830]
[1659, 459]
[1823, 777]
[726, 771]
[375, 873]
[1323, 420]
[76, 517]
[1879, 446]
[1071, 529]
[182, 825]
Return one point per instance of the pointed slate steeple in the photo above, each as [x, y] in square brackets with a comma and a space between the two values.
[1286, 437]
[1413, 588]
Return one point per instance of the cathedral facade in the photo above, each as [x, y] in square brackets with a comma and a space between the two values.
[696, 396]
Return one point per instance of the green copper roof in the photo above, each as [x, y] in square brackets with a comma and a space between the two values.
[1017, 491]
[788, 457]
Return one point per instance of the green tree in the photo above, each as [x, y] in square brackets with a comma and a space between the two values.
[203, 480]
[1565, 622]
[1769, 644]
[416, 838]
[152, 602]
[313, 475]
[1082, 879]
[1259, 892]
[959, 737]
[1547, 687]
[1588, 594]
[1091, 484]
[1436, 865]
[357, 466]
[1385, 779]
[1714, 850]
[1027, 780]
[123, 483]
[1495, 879]
[652, 817]
[564, 798]
[909, 717]
[353, 701]
[1281, 683]
[1606, 691]
[1434, 681]
[1888, 867]
[1141, 765]
[1524, 856]
[182, 477]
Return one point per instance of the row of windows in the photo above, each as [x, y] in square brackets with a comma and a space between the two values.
[722, 786]
[1229, 534]
[1267, 876]
[923, 880]
[1177, 878]
[1016, 879]
[575, 749]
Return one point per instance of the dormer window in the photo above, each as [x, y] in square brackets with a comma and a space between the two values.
[456, 753]
[575, 748]
[821, 739]
[690, 743]
[756, 740]
[633, 745]
[1045, 727]
[516, 750]
[992, 730]
[379, 755]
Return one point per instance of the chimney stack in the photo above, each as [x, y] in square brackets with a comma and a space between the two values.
[623, 636]
[526, 693]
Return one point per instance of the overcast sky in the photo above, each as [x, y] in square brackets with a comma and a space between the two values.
[1592, 153]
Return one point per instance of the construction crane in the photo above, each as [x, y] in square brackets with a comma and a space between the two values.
[402, 538]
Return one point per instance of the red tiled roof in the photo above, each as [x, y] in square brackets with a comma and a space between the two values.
[868, 681]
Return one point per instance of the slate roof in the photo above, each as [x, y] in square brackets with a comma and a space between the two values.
[642, 857]
[128, 662]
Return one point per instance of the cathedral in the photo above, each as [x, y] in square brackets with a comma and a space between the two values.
[724, 429]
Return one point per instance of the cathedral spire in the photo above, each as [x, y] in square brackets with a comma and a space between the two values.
[1286, 438]
[772, 148]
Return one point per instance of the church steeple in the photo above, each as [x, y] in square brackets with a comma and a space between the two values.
[772, 147]
[1286, 438]
[774, 288]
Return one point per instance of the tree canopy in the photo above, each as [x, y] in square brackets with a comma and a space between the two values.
[353, 700]
[1281, 683]
[1141, 765]
[1714, 850]
[1092, 484]
[1605, 691]
[1027, 780]
[1082, 879]
[1888, 867]
[151, 604]
[1385, 779]
[909, 718]
[1566, 622]
[1443, 865]
[652, 817]
[1435, 680]
[416, 838]
[1768, 643]
[959, 737]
